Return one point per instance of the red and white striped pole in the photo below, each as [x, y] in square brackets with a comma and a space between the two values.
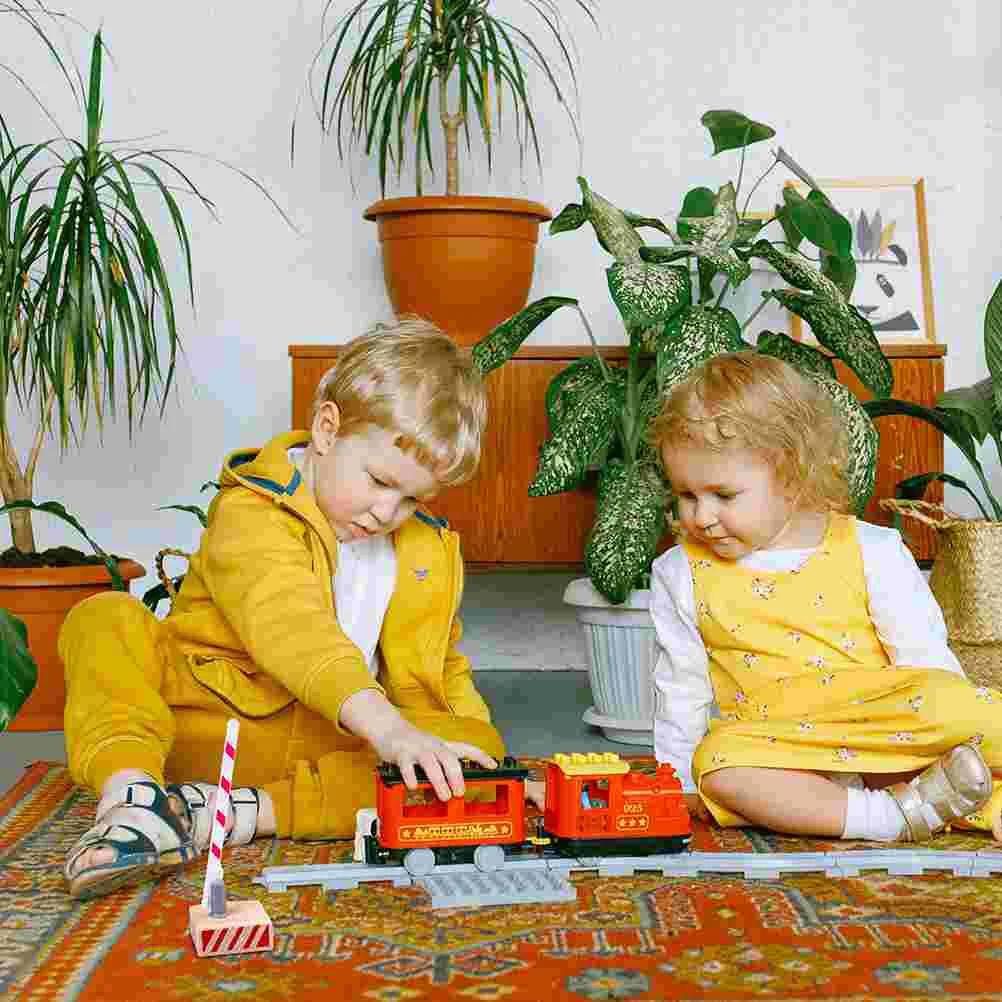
[214, 866]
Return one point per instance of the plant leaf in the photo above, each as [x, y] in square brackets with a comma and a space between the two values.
[804, 357]
[819, 221]
[585, 432]
[500, 344]
[648, 295]
[571, 217]
[611, 226]
[914, 488]
[730, 130]
[569, 385]
[841, 270]
[691, 337]
[55, 508]
[863, 440]
[973, 405]
[993, 343]
[193, 509]
[629, 521]
[18, 671]
[699, 203]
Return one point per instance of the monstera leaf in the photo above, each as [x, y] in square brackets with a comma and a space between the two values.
[629, 521]
[18, 671]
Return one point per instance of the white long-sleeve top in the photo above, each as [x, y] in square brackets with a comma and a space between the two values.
[904, 612]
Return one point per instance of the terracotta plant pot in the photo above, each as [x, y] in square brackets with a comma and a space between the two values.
[463, 262]
[42, 597]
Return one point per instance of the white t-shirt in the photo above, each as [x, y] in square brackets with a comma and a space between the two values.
[904, 612]
[363, 583]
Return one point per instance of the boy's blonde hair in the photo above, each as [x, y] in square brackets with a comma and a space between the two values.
[746, 400]
[411, 379]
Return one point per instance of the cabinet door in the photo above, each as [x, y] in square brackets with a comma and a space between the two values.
[907, 446]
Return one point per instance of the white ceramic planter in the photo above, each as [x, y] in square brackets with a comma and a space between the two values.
[620, 647]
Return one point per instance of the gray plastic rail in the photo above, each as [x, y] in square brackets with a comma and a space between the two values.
[524, 881]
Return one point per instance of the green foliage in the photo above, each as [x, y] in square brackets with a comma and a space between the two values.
[966, 415]
[391, 68]
[670, 299]
[18, 671]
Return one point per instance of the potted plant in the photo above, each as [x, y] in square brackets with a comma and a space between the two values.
[965, 573]
[396, 71]
[87, 326]
[671, 299]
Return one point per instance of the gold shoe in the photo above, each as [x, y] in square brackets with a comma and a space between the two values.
[956, 784]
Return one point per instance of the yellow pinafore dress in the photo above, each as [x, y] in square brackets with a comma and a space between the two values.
[803, 682]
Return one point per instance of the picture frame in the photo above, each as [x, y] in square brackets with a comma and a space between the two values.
[890, 244]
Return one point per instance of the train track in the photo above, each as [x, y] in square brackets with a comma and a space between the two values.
[545, 879]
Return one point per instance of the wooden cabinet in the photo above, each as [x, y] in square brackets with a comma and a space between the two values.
[501, 524]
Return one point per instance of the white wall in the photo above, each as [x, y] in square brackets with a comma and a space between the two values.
[854, 89]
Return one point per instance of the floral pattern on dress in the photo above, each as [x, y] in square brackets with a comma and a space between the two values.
[751, 660]
[844, 754]
[763, 589]
[915, 703]
[984, 694]
[795, 636]
[703, 608]
[804, 726]
[702, 563]
[827, 678]
[763, 710]
[819, 600]
[817, 661]
[902, 737]
[846, 642]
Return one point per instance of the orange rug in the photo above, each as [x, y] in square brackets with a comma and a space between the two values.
[647, 938]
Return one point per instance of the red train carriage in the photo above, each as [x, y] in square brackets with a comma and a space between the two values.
[595, 805]
[474, 828]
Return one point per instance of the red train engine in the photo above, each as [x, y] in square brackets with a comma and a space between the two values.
[595, 806]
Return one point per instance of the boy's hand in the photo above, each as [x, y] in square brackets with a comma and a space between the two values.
[697, 808]
[370, 715]
[407, 746]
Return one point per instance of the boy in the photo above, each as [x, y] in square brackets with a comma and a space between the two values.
[320, 609]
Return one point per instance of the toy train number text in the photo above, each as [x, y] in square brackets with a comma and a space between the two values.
[595, 805]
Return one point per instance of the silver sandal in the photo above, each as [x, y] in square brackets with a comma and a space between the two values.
[956, 784]
[246, 803]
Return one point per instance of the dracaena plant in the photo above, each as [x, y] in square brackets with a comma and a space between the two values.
[672, 299]
[967, 415]
[394, 71]
[88, 325]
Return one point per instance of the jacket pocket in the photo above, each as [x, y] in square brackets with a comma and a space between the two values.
[251, 695]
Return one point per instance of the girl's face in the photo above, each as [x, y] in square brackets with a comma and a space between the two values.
[733, 502]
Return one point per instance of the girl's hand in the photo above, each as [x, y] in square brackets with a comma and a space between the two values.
[535, 792]
[697, 808]
[997, 827]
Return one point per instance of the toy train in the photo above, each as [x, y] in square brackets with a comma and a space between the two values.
[595, 805]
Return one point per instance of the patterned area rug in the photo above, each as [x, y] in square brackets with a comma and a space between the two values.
[647, 938]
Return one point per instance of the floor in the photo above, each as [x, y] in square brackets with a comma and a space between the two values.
[528, 659]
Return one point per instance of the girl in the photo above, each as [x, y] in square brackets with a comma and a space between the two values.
[842, 710]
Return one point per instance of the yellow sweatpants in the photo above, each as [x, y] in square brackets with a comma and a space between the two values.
[132, 702]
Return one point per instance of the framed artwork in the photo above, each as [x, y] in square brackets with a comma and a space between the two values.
[890, 245]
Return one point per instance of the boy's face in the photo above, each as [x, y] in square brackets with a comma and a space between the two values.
[363, 483]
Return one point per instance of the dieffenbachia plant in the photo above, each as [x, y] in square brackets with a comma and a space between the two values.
[966, 415]
[670, 299]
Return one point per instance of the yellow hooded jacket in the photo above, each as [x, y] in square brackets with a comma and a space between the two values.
[255, 614]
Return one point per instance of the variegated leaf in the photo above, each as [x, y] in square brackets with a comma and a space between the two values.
[797, 271]
[496, 348]
[843, 330]
[863, 441]
[690, 338]
[612, 228]
[629, 521]
[572, 216]
[584, 433]
[728, 262]
[639, 222]
[805, 357]
[18, 671]
[570, 384]
[648, 295]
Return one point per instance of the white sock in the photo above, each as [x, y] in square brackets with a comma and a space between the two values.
[874, 815]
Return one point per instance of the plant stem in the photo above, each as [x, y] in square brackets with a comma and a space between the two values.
[450, 125]
[723, 291]
[757, 311]
[766, 173]
[594, 343]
